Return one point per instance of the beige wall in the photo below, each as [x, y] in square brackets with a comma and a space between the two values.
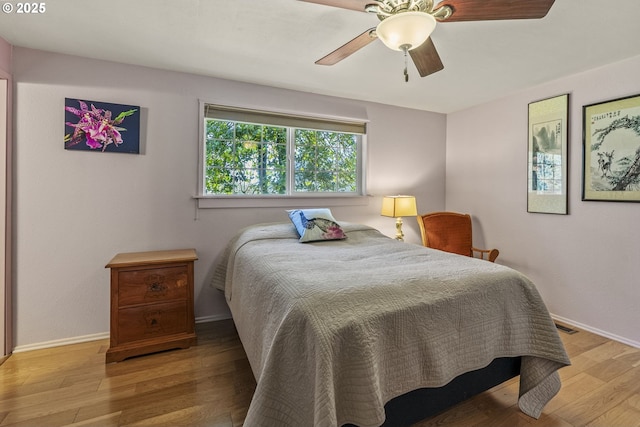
[6, 342]
[75, 210]
[585, 264]
[5, 57]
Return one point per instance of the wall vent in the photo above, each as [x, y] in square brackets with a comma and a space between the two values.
[566, 329]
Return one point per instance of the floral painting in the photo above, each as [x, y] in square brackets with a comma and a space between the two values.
[101, 126]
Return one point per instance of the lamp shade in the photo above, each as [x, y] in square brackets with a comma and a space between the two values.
[398, 206]
[409, 29]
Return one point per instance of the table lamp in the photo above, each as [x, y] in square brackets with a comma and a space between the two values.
[397, 207]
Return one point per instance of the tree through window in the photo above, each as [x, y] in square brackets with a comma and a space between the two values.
[281, 156]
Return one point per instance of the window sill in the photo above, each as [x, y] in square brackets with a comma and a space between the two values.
[224, 202]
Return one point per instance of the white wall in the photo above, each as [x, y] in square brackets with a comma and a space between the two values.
[585, 264]
[75, 210]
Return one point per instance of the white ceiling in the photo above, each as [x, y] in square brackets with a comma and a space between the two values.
[276, 42]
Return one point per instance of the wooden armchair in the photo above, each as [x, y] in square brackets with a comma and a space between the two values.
[451, 232]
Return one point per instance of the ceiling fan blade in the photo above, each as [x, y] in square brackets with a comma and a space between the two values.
[344, 4]
[348, 48]
[484, 10]
[426, 58]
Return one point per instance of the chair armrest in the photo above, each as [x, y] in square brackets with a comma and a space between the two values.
[487, 254]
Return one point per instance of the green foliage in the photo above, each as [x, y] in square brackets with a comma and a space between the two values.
[120, 117]
[245, 158]
[325, 161]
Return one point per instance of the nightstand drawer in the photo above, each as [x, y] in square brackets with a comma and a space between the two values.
[151, 285]
[150, 321]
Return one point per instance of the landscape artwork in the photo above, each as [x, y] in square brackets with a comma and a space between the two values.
[611, 169]
[547, 156]
[101, 126]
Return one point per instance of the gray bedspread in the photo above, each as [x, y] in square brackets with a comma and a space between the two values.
[335, 329]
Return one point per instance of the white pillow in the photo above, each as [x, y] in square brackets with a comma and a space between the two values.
[316, 224]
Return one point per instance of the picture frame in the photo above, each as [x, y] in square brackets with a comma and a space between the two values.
[101, 126]
[611, 150]
[547, 155]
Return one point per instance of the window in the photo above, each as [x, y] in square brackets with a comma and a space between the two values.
[261, 154]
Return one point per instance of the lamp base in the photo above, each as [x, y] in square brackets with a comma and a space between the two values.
[399, 233]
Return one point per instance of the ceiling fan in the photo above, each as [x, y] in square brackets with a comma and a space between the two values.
[406, 25]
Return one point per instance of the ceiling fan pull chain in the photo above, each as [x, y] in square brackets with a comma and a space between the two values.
[406, 73]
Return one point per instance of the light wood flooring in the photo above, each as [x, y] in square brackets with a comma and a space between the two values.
[211, 385]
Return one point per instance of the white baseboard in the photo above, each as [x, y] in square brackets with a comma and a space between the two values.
[215, 318]
[64, 341]
[95, 337]
[596, 331]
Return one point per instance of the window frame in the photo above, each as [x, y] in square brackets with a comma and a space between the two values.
[293, 198]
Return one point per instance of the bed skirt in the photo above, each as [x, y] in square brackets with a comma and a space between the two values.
[423, 403]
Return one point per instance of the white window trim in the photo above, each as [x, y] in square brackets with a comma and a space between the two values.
[226, 202]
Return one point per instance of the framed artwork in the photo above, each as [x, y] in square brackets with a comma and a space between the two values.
[611, 150]
[101, 126]
[547, 155]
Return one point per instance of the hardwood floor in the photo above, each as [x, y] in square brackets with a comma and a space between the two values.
[211, 385]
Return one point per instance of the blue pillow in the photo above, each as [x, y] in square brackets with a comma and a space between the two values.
[316, 224]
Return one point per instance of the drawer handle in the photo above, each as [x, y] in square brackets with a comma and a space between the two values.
[157, 287]
[153, 320]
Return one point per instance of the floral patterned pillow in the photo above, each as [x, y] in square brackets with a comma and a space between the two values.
[316, 224]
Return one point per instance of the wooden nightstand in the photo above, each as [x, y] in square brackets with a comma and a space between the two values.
[151, 302]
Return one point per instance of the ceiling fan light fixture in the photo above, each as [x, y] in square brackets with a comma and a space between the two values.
[406, 29]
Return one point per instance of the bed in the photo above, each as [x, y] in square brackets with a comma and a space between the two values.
[335, 330]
